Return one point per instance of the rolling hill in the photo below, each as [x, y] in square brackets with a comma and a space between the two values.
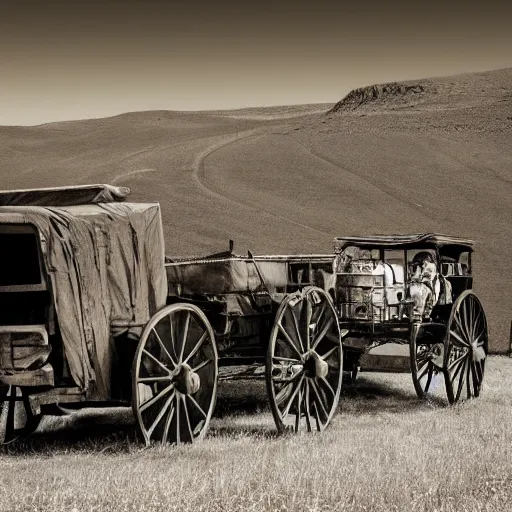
[427, 155]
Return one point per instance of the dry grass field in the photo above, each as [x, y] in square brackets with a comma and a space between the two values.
[386, 451]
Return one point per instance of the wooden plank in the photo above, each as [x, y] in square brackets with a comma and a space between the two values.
[55, 396]
[24, 357]
[40, 377]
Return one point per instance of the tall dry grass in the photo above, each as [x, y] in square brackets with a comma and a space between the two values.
[386, 451]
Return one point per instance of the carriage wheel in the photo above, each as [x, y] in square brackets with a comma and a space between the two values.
[16, 417]
[175, 375]
[304, 368]
[465, 348]
[426, 361]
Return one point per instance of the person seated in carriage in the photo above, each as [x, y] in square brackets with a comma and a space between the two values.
[427, 287]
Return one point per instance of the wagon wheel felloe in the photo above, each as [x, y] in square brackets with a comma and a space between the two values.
[175, 375]
[304, 368]
[465, 348]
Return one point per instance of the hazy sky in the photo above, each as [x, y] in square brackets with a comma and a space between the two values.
[69, 59]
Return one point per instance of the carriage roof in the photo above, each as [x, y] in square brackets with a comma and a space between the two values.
[403, 241]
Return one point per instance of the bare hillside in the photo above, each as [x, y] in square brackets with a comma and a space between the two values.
[385, 159]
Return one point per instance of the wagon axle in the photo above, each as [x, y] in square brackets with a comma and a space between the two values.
[312, 366]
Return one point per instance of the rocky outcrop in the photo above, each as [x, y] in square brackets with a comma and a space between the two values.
[392, 94]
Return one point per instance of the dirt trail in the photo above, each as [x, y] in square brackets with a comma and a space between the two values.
[199, 172]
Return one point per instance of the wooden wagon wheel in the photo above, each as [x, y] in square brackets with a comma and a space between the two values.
[174, 375]
[426, 360]
[465, 348]
[16, 417]
[304, 367]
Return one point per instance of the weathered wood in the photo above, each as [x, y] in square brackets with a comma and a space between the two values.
[254, 371]
[24, 357]
[41, 377]
[55, 396]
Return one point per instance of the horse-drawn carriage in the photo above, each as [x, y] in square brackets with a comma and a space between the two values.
[414, 289]
[91, 311]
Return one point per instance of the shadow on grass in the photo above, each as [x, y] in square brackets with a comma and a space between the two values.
[113, 431]
[91, 431]
[368, 396]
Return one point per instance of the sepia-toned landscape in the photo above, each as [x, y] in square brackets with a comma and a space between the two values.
[426, 156]
[430, 155]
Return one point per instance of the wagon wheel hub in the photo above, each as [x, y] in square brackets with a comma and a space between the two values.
[185, 380]
[315, 366]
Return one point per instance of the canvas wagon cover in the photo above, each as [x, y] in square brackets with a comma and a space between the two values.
[226, 275]
[106, 267]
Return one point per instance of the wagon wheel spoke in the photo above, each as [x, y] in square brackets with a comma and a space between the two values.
[297, 328]
[329, 353]
[200, 366]
[465, 318]
[322, 334]
[166, 378]
[289, 340]
[161, 343]
[474, 376]
[198, 407]
[426, 368]
[479, 371]
[197, 346]
[323, 309]
[294, 329]
[309, 314]
[469, 390]
[184, 335]
[479, 340]
[155, 360]
[460, 364]
[317, 417]
[156, 398]
[429, 374]
[463, 342]
[160, 414]
[462, 376]
[318, 398]
[187, 418]
[168, 422]
[296, 386]
[178, 419]
[461, 327]
[307, 406]
[472, 319]
[324, 381]
[299, 412]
